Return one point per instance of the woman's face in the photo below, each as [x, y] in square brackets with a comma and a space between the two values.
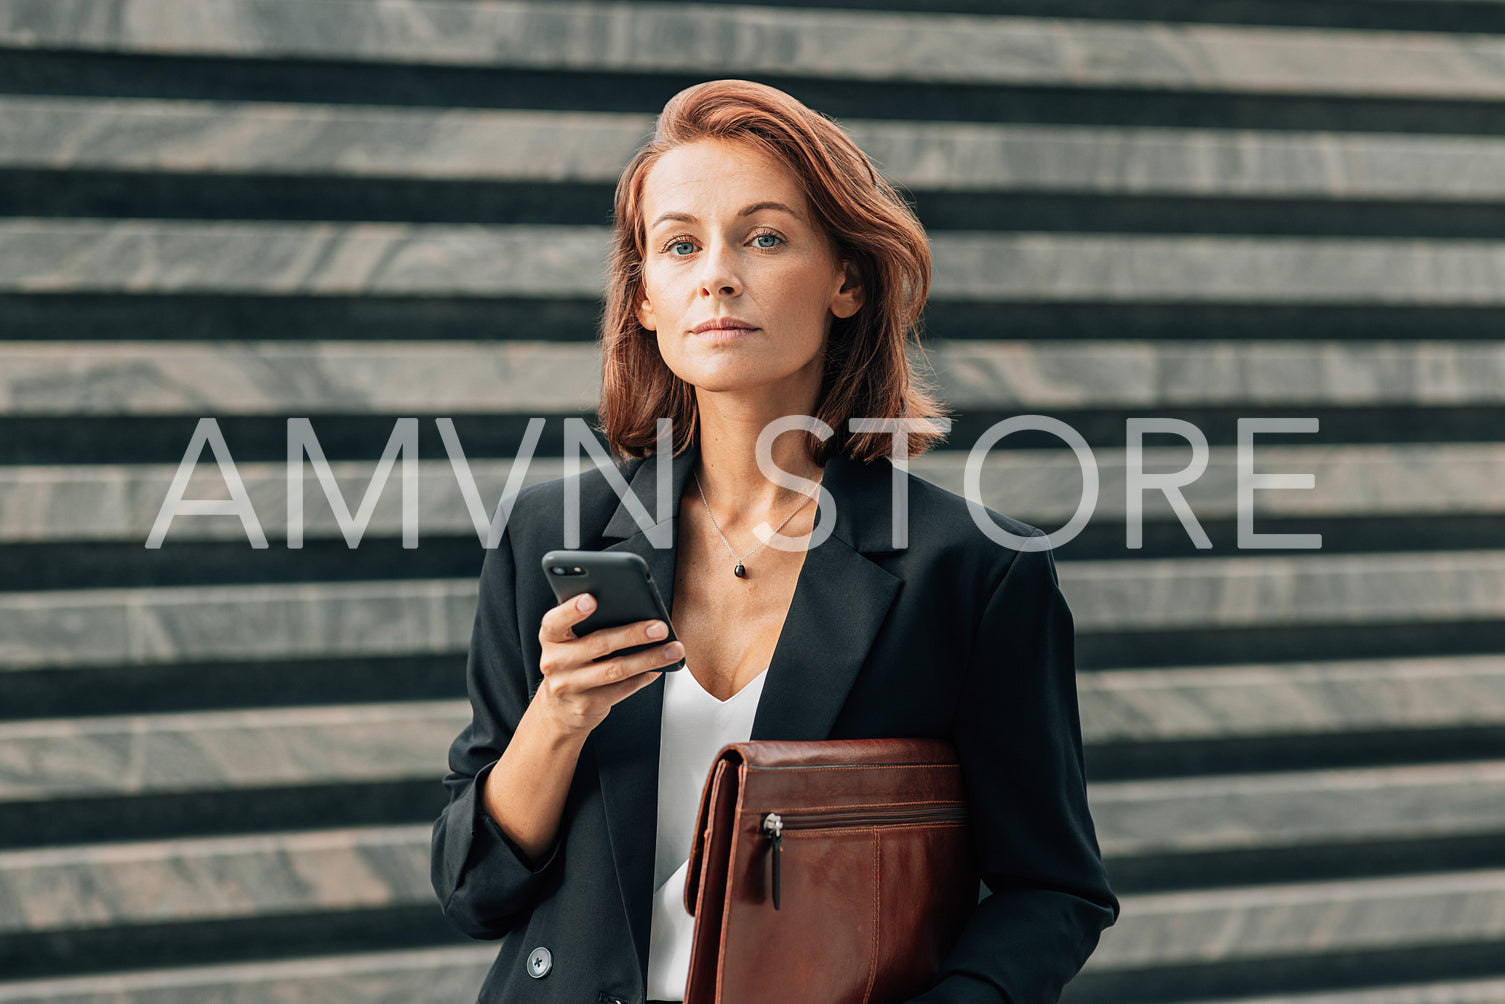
[739, 283]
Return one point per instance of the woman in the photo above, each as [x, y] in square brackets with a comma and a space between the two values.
[761, 270]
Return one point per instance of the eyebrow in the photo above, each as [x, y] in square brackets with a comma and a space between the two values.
[759, 206]
[755, 207]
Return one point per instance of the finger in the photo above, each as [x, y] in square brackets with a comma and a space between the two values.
[602, 643]
[558, 622]
[614, 671]
[623, 689]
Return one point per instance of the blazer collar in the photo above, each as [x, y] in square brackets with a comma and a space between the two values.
[840, 600]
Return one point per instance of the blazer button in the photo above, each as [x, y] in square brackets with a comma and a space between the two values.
[540, 961]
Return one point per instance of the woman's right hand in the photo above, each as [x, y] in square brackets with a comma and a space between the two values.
[577, 692]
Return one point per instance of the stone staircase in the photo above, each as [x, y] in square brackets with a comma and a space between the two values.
[218, 764]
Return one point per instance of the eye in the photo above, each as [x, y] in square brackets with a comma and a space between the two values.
[674, 249]
[774, 240]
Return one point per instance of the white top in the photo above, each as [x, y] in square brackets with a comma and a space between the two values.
[696, 727]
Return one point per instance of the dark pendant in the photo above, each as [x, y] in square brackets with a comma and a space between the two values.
[739, 571]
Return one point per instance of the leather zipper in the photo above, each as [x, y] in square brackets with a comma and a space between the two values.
[775, 823]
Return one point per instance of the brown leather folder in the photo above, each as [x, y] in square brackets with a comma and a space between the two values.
[834, 872]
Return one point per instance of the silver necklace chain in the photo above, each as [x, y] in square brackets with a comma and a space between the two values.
[740, 570]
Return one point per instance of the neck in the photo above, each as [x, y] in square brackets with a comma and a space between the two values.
[728, 467]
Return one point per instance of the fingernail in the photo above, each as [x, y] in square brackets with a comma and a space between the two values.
[585, 602]
[657, 630]
[673, 650]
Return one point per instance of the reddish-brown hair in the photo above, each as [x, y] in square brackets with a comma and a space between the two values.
[868, 373]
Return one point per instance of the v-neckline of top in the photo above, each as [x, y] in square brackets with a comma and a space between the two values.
[718, 701]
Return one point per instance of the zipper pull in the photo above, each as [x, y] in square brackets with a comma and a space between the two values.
[773, 825]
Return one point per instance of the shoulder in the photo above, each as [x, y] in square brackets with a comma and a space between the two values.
[958, 522]
[1001, 592]
[956, 514]
[972, 542]
[538, 511]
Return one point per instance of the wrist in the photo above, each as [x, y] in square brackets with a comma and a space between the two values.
[555, 723]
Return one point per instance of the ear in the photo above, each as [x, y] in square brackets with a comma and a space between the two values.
[644, 311]
[849, 298]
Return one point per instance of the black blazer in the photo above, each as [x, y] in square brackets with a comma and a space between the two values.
[951, 637]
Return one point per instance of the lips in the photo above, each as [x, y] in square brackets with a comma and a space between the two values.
[722, 324]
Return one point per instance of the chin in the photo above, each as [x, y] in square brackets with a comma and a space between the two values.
[729, 374]
[722, 384]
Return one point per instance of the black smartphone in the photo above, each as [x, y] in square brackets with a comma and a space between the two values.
[622, 586]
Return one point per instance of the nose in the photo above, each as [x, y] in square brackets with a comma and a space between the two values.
[718, 275]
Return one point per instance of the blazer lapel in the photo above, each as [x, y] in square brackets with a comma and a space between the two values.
[626, 742]
[840, 601]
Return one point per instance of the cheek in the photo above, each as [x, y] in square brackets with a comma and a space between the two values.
[810, 290]
[660, 289]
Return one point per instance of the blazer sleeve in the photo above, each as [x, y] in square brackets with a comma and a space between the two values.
[485, 883]
[1018, 737]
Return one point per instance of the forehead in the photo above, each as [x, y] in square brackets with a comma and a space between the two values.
[708, 177]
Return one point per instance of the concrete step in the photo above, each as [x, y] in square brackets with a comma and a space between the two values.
[217, 878]
[752, 41]
[1418, 15]
[120, 756]
[135, 377]
[93, 627]
[1279, 592]
[278, 259]
[544, 378]
[436, 975]
[185, 137]
[1270, 814]
[1393, 696]
[81, 908]
[105, 627]
[121, 501]
[1284, 938]
[1450, 992]
[1350, 480]
[70, 781]
[393, 259]
[284, 138]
